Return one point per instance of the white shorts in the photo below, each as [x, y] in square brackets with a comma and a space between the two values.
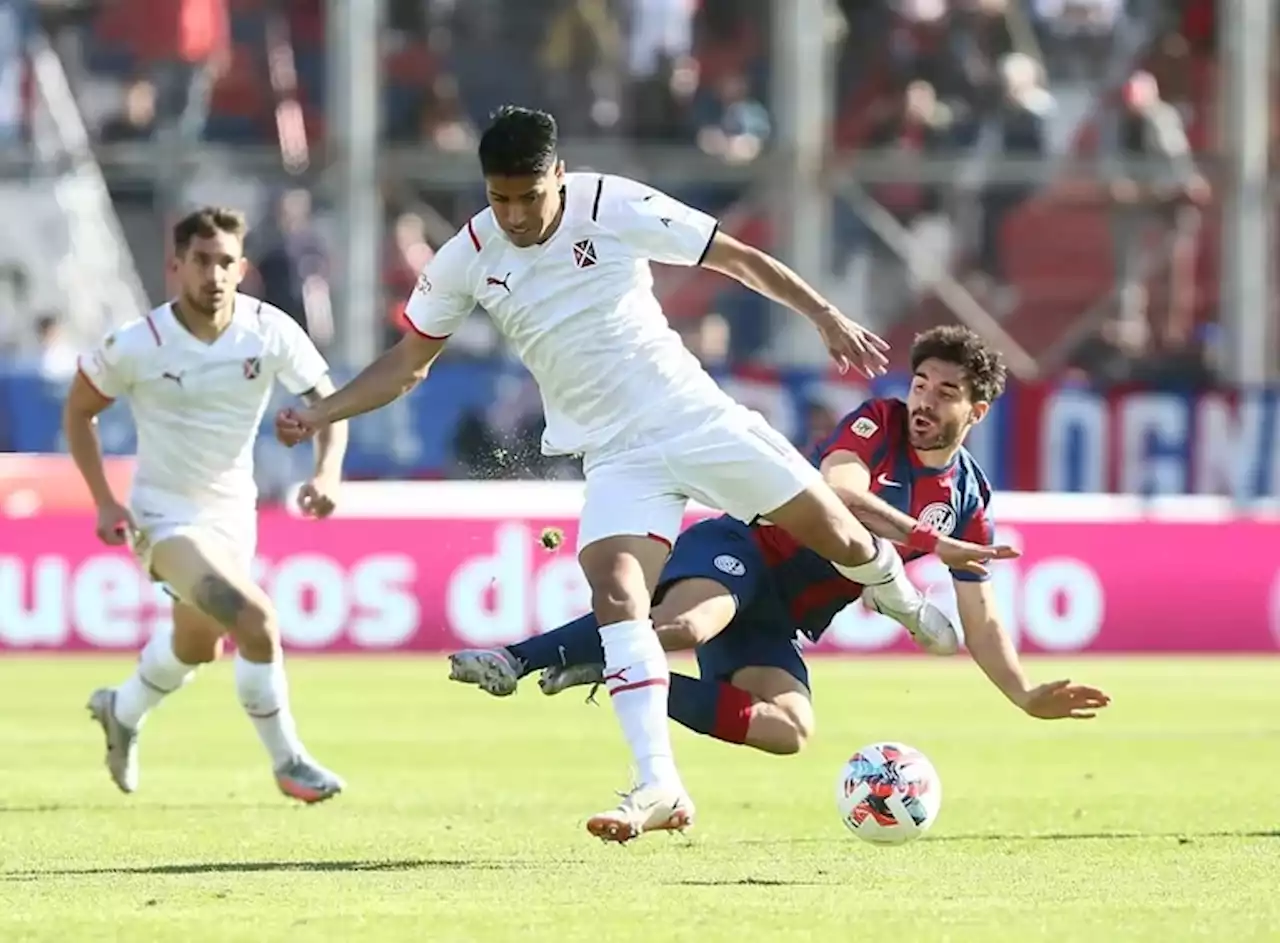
[737, 462]
[231, 533]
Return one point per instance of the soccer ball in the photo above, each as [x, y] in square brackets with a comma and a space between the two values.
[888, 793]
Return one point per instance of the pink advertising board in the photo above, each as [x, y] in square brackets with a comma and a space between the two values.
[431, 584]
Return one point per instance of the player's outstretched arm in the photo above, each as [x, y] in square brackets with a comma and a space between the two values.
[440, 302]
[850, 479]
[385, 380]
[990, 646]
[850, 345]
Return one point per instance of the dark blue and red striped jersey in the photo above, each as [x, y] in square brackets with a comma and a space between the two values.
[953, 500]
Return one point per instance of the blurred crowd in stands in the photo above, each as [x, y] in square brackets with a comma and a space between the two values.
[1111, 275]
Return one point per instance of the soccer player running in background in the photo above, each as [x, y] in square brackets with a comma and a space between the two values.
[739, 595]
[561, 263]
[198, 374]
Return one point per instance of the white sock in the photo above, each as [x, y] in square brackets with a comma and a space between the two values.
[637, 678]
[264, 694]
[884, 570]
[159, 674]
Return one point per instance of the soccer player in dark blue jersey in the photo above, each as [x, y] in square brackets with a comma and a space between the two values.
[743, 595]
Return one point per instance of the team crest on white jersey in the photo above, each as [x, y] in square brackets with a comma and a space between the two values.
[939, 517]
[252, 367]
[424, 284]
[727, 563]
[864, 427]
[584, 253]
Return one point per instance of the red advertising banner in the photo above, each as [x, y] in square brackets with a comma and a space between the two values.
[50, 484]
[431, 585]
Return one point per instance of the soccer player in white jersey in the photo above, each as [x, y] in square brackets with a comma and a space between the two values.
[561, 263]
[198, 374]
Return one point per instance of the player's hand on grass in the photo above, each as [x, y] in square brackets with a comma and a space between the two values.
[1062, 699]
[318, 497]
[295, 425]
[970, 557]
[115, 524]
[853, 346]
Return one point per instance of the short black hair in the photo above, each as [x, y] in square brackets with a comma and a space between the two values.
[519, 142]
[982, 365]
[207, 222]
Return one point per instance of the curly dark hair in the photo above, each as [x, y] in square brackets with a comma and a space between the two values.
[983, 367]
[519, 142]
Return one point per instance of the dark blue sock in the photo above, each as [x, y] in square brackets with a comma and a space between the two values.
[577, 643]
[710, 707]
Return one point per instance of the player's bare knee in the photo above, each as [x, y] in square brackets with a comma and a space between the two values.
[249, 620]
[802, 727]
[778, 729]
[613, 601]
[680, 632]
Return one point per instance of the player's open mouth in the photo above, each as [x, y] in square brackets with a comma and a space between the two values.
[921, 424]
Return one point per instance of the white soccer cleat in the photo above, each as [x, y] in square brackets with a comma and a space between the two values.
[559, 678]
[929, 626]
[493, 670]
[122, 741]
[644, 809]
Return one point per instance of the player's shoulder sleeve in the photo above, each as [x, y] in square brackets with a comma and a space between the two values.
[111, 367]
[444, 294]
[976, 524]
[867, 432]
[297, 363]
[654, 225]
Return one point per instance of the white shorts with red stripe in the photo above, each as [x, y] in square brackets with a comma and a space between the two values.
[737, 463]
[229, 535]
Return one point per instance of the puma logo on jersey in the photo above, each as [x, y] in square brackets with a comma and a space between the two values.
[175, 377]
[499, 282]
[665, 220]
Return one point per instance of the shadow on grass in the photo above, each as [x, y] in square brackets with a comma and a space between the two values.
[46, 808]
[751, 882]
[1110, 836]
[253, 867]
[1182, 837]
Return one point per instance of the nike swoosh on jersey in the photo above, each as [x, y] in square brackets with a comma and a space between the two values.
[888, 483]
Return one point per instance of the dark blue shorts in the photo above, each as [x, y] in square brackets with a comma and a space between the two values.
[761, 634]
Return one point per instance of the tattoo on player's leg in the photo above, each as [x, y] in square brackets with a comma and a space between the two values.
[219, 599]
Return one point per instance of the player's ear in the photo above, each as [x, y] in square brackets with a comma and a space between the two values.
[978, 411]
[559, 172]
[243, 266]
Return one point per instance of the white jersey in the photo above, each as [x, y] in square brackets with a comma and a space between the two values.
[197, 406]
[580, 311]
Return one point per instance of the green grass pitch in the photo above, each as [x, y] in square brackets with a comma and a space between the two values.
[463, 822]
